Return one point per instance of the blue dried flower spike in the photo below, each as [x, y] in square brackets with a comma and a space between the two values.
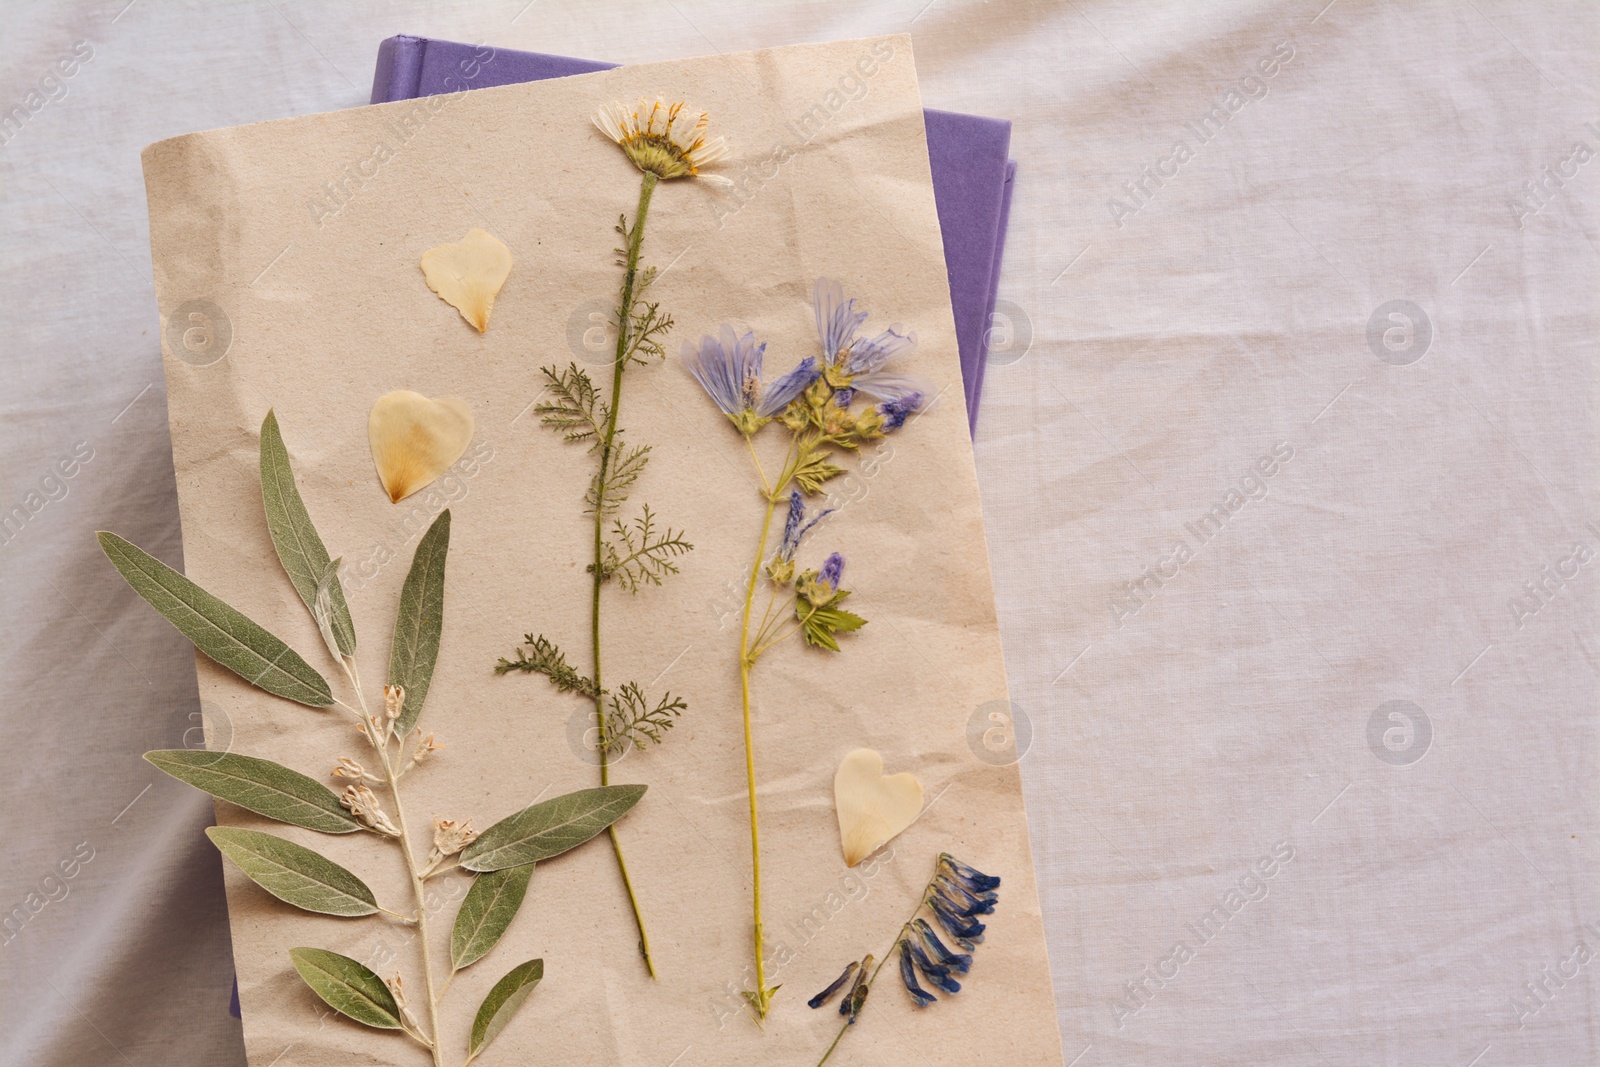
[838, 983]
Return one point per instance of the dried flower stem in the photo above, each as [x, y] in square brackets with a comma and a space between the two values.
[378, 733]
[750, 650]
[607, 454]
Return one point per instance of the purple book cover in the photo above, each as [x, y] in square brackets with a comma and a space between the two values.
[966, 154]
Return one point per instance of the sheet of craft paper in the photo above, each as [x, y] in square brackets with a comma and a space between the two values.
[303, 236]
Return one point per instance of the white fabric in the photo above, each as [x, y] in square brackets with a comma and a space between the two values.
[1174, 748]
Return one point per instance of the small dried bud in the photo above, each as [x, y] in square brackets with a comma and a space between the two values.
[394, 701]
[363, 804]
[450, 837]
[349, 768]
[397, 987]
[426, 746]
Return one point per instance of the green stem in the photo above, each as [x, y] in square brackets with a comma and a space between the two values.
[746, 660]
[607, 447]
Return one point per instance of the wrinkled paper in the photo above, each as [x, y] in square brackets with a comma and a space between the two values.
[286, 271]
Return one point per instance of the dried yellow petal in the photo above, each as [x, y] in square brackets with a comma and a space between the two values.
[468, 274]
[415, 439]
[873, 807]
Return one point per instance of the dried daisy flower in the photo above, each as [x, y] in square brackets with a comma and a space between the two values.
[667, 140]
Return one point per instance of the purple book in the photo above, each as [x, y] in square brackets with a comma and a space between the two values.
[967, 155]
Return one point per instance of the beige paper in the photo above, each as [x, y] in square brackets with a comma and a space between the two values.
[292, 247]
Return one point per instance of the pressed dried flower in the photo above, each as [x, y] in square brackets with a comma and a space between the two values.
[667, 140]
[351, 769]
[872, 807]
[414, 439]
[364, 805]
[728, 368]
[426, 746]
[468, 275]
[833, 987]
[450, 836]
[394, 701]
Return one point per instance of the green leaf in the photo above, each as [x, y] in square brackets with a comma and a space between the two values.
[550, 828]
[820, 624]
[221, 632]
[549, 661]
[814, 469]
[300, 550]
[502, 1003]
[293, 873]
[416, 630]
[258, 785]
[491, 904]
[347, 987]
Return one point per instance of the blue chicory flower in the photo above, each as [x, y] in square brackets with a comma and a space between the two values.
[728, 368]
[908, 975]
[859, 362]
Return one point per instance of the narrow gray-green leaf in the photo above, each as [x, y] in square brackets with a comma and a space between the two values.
[347, 987]
[416, 629]
[299, 547]
[550, 828]
[259, 785]
[293, 873]
[488, 909]
[223, 633]
[502, 1003]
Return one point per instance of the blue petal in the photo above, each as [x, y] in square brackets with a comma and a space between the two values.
[712, 367]
[832, 571]
[970, 877]
[955, 924]
[964, 901]
[837, 318]
[960, 962]
[869, 354]
[838, 983]
[909, 976]
[937, 973]
[783, 391]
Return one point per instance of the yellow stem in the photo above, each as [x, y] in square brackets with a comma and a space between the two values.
[745, 662]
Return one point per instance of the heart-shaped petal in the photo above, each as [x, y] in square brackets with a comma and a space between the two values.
[414, 439]
[468, 274]
[873, 807]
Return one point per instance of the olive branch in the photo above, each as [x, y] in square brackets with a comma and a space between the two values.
[499, 862]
